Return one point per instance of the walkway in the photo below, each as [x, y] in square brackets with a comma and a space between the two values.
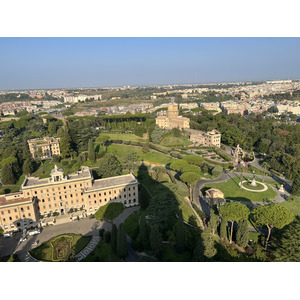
[91, 246]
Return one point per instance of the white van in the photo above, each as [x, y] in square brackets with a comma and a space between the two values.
[34, 232]
[7, 234]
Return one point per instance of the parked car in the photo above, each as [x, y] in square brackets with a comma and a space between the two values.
[23, 239]
[34, 232]
[8, 234]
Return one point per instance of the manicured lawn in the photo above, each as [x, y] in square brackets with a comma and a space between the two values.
[119, 136]
[169, 254]
[121, 150]
[109, 211]
[103, 252]
[172, 141]
[45, 251]
[9, 189]
[232, 191]
[293, 206]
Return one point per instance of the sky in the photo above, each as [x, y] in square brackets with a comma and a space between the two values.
[48, 63]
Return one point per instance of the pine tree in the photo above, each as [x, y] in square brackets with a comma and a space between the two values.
[91, 151]
[180, 236]
[242, 233]
[114, 236]
[143, 231]
[122, 247]
[209, 244]
[109, 166]
[7, 175]
[28, 166]
[155, 239]
[223, 229]
[214, 221]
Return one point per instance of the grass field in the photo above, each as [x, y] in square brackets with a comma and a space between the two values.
[121, 150]
[232, 191]
[293, 206]
[119, 136]
[103, 252]
[172, 141]
[45, 251]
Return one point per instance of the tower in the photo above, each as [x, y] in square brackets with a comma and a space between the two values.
[173, 109]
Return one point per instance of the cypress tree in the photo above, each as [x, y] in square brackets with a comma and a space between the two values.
[180, 235]
[143, 231]
[91, 151]
[242, 233]
[214, 221]
[113, 241]
[122, 248]
[7, 175]
[28, 166]
[209, 244]
[223, 229]
[155, 239]
[198, 254]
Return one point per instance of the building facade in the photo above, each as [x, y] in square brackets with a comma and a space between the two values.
[49, 146]
[60, 193]
[173, 120]
[208, 139]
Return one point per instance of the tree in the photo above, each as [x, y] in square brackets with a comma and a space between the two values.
[130, 159]
[214, 221]
[143, 231]
[156, 135]
[223, 229]
[234, 211]
[180, 235]
[242, 233]
[7, 175]
[109, 166]
[198, 254]
[113, 240]
[216, 171]
[155, 239]
[273, 215]
[190, 178]
[288, 243]
[122, 247]
[209, 244]
[178, 164]
[296, 186]
[65, 142]
[28, 167]
[103, 140]
[264, 165]
[107, 237]
[91, 151]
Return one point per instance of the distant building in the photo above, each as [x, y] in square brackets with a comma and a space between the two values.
[76, 99]
[208, 139]
[48, 145]
[173, 120]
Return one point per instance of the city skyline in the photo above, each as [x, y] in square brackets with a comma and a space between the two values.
[50, 63]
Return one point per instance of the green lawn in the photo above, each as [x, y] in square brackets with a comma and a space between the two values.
[119, 136]
[232, 191]
[293, 206]
[45, 251]
[121, 150]
[172, 141]
[103, 252]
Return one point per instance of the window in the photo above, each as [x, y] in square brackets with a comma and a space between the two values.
[129, 201]
[2, 212]
[125, 202]
[133, 200]
[71, 195]
[43, 200]
[17, 217]
[22, 209]
[64, 187]
[120, 196]
[95, 201]
[105, 199]
[35, 192]
[128, 189]
[89, 196]
[133, 194]
[54, 198]
[66, 202]
[129, 195]
[48, 199]
[8, 211]
[99, 194]
[115, 191]
[49, 205]
[124, 190]
[44, 206]
[104, 193]
[72, 201]
[69, 186]
[77, 201]
[65, 196]
[124, 196]
[134, 188]
[10, 218]
[27, 194]
[110, 192]
[94, 195]
[55, 204]
[29, 214]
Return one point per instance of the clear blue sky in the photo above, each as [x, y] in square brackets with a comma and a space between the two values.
[28, 63]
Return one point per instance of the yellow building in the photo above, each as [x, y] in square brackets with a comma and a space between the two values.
[173, 120]
[208, 139]
[48, 145]
[61, 193]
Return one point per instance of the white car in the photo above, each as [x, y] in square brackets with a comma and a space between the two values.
[23, 239]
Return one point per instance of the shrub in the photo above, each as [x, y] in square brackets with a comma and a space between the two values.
[73, 162]
[107, 236]
[101, 232]
[55, 214]
[65, 162]
[100, 154]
